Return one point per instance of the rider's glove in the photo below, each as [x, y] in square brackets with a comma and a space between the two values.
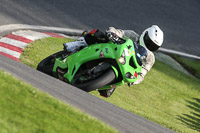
[114, 38]
[143, 60]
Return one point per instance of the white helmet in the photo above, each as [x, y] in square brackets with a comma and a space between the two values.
[152, 38]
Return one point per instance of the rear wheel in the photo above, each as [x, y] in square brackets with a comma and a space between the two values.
[46, 65]
[102, 79]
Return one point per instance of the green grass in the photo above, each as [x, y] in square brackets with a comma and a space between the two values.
[23, 109]
[166, 96]
[40, 49]
[193, 66]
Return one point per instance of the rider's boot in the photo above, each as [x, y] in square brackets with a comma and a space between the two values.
[107, 93]
[76, 45]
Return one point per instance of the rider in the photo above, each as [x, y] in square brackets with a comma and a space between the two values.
[151, 39]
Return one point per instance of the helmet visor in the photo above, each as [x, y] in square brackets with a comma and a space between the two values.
[149, 43]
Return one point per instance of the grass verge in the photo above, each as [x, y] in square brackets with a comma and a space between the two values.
[166, 96]
[191, 65]
[23, 109]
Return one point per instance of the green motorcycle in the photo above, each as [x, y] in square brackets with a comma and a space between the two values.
[99, 67]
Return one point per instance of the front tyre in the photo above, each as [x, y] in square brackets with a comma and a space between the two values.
[103, 80]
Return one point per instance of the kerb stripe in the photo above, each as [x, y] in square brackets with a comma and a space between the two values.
[10, 56]
[19, 38]
[53, 34]
[11, 47]
[13, 42]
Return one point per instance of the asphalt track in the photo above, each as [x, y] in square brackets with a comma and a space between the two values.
[118, 118]
[179, 19]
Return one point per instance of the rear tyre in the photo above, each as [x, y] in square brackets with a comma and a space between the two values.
[46, 65]
[104, 79]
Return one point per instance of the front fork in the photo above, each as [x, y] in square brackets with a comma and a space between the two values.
[115, 70]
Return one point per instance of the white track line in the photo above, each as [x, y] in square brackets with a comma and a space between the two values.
[178, 53]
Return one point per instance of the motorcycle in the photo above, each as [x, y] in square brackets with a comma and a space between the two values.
[99, 67]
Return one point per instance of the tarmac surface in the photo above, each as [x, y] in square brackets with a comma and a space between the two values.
[114, 116]
[179, 19]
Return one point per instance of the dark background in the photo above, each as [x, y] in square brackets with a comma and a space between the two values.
[179, 19]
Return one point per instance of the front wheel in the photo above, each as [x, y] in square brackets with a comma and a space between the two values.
[100, 81]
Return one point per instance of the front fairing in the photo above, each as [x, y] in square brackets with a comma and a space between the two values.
[102, 51]
[131, 66]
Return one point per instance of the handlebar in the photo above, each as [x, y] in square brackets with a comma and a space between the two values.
[115, 38]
